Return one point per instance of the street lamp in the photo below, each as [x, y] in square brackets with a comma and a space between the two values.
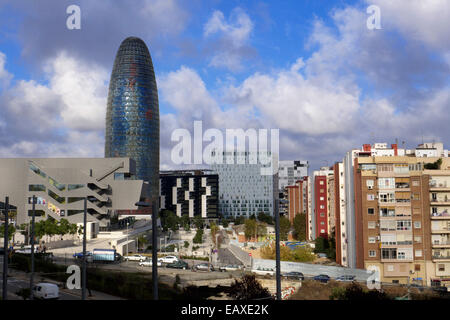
[154, 245]
[128, 223]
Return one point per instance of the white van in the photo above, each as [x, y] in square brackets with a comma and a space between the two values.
[46, 290]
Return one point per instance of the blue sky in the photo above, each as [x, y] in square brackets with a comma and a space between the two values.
[310, 68]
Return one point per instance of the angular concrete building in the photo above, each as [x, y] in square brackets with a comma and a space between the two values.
[132, 116]
[60, 186]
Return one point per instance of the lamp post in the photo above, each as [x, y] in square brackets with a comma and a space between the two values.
[277, 250]
[5, 247]
[83, 288]
[32, 247]
[154, 244]
[127, 237]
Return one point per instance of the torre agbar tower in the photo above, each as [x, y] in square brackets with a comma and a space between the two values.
[132, 116]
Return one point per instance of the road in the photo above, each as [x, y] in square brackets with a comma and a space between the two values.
[15, 285]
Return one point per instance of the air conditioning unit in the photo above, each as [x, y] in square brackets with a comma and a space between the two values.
[370, 187]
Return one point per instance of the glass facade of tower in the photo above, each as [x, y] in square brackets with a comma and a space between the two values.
[132, 116]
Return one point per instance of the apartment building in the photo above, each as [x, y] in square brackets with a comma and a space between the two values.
[290, 171]
[401, 216]
[297, 196]
[322, 202]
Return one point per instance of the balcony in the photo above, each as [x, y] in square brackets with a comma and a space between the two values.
[440, 201]
[441, 186]
[440, 215]
[441, 244]
[441, 257]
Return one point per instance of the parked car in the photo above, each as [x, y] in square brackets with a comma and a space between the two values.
[179, 264]
[168, 259]
[346, 278]
[264, 271]
[46, 291]
[322, 278]
[293, 275]
[203, 267]
[149, 263]
[135, 257]
[229, 267]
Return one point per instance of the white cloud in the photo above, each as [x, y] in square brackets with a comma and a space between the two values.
[234, 35]
[5, 76]
[164, 13]
[427, 21]
[82, 88]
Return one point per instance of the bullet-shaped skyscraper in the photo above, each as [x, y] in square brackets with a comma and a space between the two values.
[132, 116]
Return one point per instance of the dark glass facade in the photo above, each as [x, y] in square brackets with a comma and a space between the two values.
[132, 116]
[178, 189]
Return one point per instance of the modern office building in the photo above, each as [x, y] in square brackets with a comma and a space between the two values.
[192, 193]
[61, 185]
[132, 116]
[290, 171]
[247, 186]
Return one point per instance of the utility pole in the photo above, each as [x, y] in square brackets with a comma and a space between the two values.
[5, 256]
[83, 288]
[277, 248]
[154, 251]
[32, 247]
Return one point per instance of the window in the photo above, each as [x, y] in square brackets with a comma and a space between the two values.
[53, 182]
[417, 267]
[415, 183]
[37, 213]
[416, 196]
[418, 239]
[441, 267]
[418, 253]
[74, 199]
[390, 268]
[371, 211]
[322, 223]
[369, 184]
[368, 166]
[387, 212]
[389, 253]
[321, 182]
[71, 187]
[371, 225]
[322, 206]
[37, 170]
[417, 225]
[322, 230]
[61, 200]
[322, 198]
[384, 167]
[401, 168]
[36, 187]
[322, 214]
[322, 190]
[387, 197]
[370, 197]
[386, 183]
[404, 225]
[372, 253]
[372, 240]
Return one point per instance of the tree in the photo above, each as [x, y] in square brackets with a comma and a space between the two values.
[24, 230]
[198, 222]
[239, 220]
[265, 218]
[250, 228]
[248, 288]
[198, 238]
[186, 222]
[63, 227]
[11, 231]
[285, 226]
[142, 241]
[299, 254]
[299, 225]
[186, 244]
[214, 230]
[169, 220]
[225, 223]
